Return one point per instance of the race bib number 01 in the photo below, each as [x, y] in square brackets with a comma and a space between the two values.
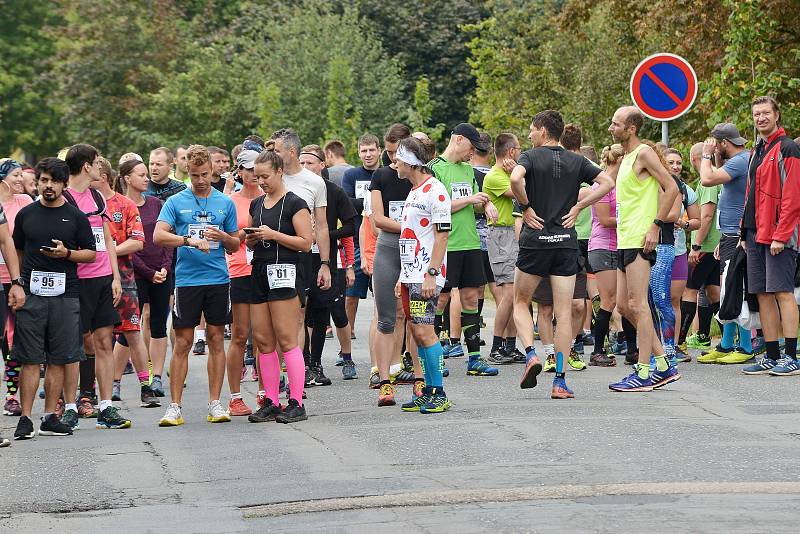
[45, 284]
[408, 249]
[460, 190]
[99, 238]
[281, 275]
[396, 210]
[362, 188]
[198, 231]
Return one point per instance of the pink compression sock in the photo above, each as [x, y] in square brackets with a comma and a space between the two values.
[144, 377]
[296, 369]
[271, 374]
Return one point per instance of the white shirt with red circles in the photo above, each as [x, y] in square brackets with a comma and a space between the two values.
[427, 205]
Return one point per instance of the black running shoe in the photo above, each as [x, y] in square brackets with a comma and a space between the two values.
[110, 418]
[149, 399]
[311, 377]
[200, 347]
[293, 413]
[24, 429]
[499, 357]
[266, 413]
[319, 377]
[52, 426]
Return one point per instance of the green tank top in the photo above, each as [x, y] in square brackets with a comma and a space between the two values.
[637, 203]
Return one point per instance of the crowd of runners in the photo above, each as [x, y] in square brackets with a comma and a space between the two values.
[275, 244]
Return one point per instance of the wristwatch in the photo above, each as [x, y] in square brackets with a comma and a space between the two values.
[433, 272]
[186, 241]
[708, 156]
[696, 248]
[659, 223]
[523, 207]
[325, 262]
[686, 224]
[17, 282]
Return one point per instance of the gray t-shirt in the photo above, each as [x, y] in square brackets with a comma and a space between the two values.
[731, 197]
[308, 186]
[336, 172]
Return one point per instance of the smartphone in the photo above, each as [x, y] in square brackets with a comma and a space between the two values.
[48, 249]
[250, 230]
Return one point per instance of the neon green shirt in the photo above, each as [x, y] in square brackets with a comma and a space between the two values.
[459, 181]
[637, 203]
[707, 195]
[496, 182]
[583, 224]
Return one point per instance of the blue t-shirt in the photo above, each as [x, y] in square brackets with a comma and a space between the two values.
[190, 215]
[680, 234]
[731, 198]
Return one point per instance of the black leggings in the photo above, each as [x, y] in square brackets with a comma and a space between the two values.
[157, 295]
[320, 319]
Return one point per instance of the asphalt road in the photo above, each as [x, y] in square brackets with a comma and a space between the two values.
[715, 452]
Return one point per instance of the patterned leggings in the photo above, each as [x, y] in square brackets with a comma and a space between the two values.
[660, 298]
[13, 367]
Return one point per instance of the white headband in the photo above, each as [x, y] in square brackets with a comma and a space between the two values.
[406, 156]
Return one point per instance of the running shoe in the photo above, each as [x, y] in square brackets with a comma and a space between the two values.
[115, 390]
[445, 372]
[786, 367]
[386, 395]
[293, 413]
[266, 412]
[478, 367]
[500, 357]
[738, 356]
[172, 417]
[681, 356]
[216, 413]
[407, 361]
[578, 346]
[560, 390]
[245, 372]
[157, 387]
[714, 355]
[417, 401]
[237, 408]
[254, 373]
[148, 398]
[532, 369]
[374, 379]
[453, 351]
[228, 333]
[620, 348]
[329, 332]
[310, 378]
[403, 377]
[349, 370]
[53, 426]
[249, 358]
[588, 339]
[70, 418]
[282, 385]
[199, 347]
[575, 361]
[319, 377]
[632, 358]
[128, 368]
[632, 383]
[518, 356]
[601, 359]
[437, 402]
[339, 360]
[761, 367]
[86, 410]
[4, 442]
[12, 407]
[759, 346]
[419, 388]
[261, 399]
[111, 419]
[681, 347]
[550, 364]
[24, 429]
[698, 341]
[41, 393]
[659, 379]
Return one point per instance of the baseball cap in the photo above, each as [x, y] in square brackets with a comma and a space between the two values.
[728, 132]
[246, 159]
[471, 133]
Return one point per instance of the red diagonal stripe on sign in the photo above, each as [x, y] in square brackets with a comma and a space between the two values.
[661, 85]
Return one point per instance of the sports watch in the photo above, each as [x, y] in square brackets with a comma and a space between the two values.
[433, 272]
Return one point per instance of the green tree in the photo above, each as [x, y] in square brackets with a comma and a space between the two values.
[419, 117]
[344, 120]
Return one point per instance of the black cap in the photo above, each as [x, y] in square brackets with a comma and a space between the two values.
[471, 133]
[728, 132]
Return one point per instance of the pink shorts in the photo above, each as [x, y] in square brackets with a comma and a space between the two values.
[680, 267]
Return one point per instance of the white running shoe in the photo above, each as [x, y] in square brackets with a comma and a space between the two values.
[172, 417]
[216, 413]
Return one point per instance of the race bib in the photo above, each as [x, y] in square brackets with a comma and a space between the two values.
[315, 248]
[248, 252]
[99, 238]
[396, 210]
[198, 231]
[408, 249]
[281, 275]
[339, 258]
[362, 189]
[460, 190]
[48, 284]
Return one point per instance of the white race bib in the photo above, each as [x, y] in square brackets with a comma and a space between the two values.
[339, 256]
[248, 252]
[396, 210]
[460, 190]
[198, 231]
[315, 248]
[362, 188]
[48, 284]
[281, 275]
[407, 250]
[99, 238]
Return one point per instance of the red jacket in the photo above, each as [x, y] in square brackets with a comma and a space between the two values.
[776, 164]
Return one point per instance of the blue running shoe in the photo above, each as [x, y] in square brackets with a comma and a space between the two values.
[632, 383]
[478, 367]
[620, 348]
[786, 367]
[560, 390]
[453, 351]
[532, 369]
[339, 360]
[349, 370]
[579, 347]
[759, 346]
[761, 367]
[659, 379]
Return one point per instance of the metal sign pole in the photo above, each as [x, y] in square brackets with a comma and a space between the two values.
[665, 132]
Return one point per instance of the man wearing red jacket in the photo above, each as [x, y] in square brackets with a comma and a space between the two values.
[769, 229]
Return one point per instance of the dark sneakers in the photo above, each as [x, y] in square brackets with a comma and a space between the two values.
[53, 426]
[319, 377]
[110, 418]
[24, 429]
[601, 359]
[499, 357]
[149, 399]
[293, 413]
[266, 413]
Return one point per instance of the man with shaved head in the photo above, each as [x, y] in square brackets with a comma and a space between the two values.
[641, 212]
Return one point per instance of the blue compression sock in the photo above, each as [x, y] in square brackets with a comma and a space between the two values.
[745, 339]
[434, 362]
[728, 335]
